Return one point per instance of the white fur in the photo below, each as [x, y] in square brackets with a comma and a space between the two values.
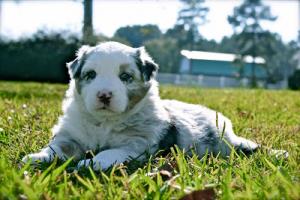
[128, 131]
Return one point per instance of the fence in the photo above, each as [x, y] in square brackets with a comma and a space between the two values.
[212, 81]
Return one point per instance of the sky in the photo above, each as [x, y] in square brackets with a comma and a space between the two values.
[25, 17]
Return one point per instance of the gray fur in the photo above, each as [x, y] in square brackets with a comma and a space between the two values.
[76, 66]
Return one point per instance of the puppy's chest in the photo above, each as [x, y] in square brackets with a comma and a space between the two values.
[97, 136]
[103, 136]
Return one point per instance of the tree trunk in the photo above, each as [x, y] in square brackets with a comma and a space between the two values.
[0, 16]
[253, 75]
[87, 20]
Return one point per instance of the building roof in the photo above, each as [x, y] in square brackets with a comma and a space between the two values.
[204, 55]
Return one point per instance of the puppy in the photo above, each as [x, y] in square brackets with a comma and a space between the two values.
[113, 107]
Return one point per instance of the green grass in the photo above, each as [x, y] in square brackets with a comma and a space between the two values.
[272, 118]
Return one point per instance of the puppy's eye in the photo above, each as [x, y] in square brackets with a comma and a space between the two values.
[90, 75]
[125, 77]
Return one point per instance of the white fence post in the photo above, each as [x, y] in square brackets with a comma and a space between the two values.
[222, 81]
[200, 79]
[245, 82]
[177, 79]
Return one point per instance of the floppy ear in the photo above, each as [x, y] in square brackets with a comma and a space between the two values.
[146, 65]
[76, 65]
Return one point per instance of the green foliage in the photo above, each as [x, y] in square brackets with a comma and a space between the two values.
[184, 41]
[29, 110]
[166, 53]
[30, 58]
[137, 35]
[294, 80]
[191, 17]
[180, 34]
[278, 56]
[228, 44]
[246, 20]
[280, 62]
[42, 57]
[248, 16]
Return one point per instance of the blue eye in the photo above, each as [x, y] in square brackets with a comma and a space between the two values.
[90, 75]
[125, 77]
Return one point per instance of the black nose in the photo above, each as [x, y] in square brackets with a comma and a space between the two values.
[104, 97]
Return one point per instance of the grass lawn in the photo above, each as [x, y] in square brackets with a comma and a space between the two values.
[272, 118]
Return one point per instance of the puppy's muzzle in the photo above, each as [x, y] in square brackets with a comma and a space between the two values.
[104, 97]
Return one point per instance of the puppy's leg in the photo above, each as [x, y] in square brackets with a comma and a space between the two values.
[248, 147]
[222, 143]
[245, 146]
[62, 149]
[47, 154]
[107, 158]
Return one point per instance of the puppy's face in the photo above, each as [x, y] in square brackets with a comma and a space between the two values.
[111, 78]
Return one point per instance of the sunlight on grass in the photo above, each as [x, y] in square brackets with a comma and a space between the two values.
[29, 110]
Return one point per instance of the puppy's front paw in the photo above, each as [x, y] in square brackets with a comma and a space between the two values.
[95, 164]
[37, 158]
[84, 163]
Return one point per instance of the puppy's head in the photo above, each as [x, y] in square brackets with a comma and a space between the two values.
[111, 77]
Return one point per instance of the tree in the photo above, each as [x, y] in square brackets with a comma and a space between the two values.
[166, 53]
[191, 17]
[180, 34]
[294, 80]
[246, 21]
[137, 35]
[87, 30]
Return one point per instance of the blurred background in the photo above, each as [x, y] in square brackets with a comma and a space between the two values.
[212, 43]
